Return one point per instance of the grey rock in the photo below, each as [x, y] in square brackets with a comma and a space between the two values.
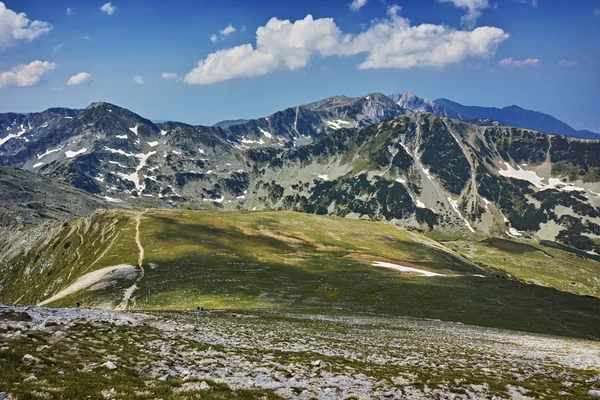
[110, 365]
[594, 393]
[29, 359]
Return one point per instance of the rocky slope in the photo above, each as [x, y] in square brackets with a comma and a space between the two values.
[360, 158]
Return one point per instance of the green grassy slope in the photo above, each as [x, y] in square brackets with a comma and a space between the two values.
[304, 262]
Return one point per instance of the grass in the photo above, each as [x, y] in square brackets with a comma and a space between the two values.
[534, 263]
[294, 261]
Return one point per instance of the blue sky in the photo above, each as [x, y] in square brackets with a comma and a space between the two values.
[541, 55]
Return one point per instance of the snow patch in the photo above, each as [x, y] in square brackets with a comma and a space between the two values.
[72, 154]
[454, 205]
[267, 134]
[219, 200]
[134, 130]
[38, 164]
[152, 144]
[323, 177]
[48, 152]
[339, 124]
[405, 269]
[536, 180]
[121, 136]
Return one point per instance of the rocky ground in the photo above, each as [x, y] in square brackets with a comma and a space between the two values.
[80, 353]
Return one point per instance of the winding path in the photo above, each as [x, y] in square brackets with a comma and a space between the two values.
[124, 305]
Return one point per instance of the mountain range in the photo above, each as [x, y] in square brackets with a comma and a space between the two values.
[431, 166]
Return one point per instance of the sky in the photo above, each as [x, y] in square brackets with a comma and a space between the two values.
[203, 61]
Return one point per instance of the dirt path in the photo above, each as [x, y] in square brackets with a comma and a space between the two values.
[124, 305]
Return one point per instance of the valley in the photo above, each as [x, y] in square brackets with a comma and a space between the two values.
[372, 247]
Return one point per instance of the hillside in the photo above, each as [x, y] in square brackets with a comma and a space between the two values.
[181, 260]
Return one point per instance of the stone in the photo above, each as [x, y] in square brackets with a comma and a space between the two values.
[316, 363]
[30, 378]
[3, 395]
[594, 393]
[204, 386]
[110, 365]
[29, 359]
[164, 377]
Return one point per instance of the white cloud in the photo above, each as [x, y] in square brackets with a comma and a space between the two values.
[26, 75]
[473, 10]
[168, 75]
[568, 63]
[15, 27]
[70, 11]
[534, 3]
[79, 79]
[58, 47]
[511, 63]
[597, 12]
[357, 4]
[108, 8]
[388, 43]
[228, 30]
[138, 79]
[58, 89]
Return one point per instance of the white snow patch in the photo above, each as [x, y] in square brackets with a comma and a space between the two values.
[176, 152]
[420, 204]
[339, 124]
[112, 199]
[38, 164]
[267, 134]
[121, 136]
[72, 154]
[134, 130]
[11, 135]
[48, 152]
[400, 180]
[323, 177]
[201, 151]
[514, 233]
[152, 144]
[163, 133]
[454, 205]
[134, 176]
[405, 269]
[248, 141]
[219, 200]
[536, 180]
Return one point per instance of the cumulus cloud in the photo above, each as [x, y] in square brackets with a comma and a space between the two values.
[387, 43]
[108, 8]
[511, 63]
[568, 63]
[223, 33]
[473, 10]
[26, 75]
[79, 79]
[169, 75]
[16, 27]
[138, 79]
[357, 4]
